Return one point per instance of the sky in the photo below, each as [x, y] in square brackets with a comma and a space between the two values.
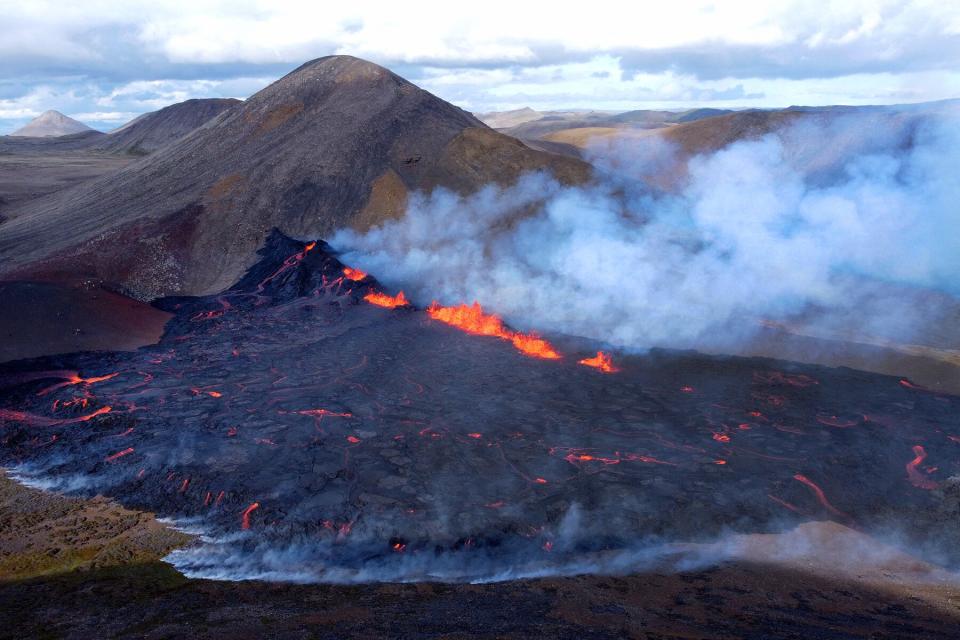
[107, 62]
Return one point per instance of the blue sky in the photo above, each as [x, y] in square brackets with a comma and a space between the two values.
[106, 62]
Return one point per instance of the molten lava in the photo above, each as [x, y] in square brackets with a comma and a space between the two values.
[74, 378]
[601, 361]
[43, 421]
[472, 319]
[916, 478]
[245, 521]
[119, 454]
[821, 497]
[354, 274]
[383, 300]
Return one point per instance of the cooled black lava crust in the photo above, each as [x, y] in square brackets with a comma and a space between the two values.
[313, 432]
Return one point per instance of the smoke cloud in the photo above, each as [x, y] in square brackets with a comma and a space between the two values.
[837, 220]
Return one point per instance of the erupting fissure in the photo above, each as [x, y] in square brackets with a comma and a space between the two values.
[383, 300]
[472, 319]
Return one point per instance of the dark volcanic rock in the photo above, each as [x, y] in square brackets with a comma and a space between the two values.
[149, 132]
[740, 601]
[337, 142]
[320, 436]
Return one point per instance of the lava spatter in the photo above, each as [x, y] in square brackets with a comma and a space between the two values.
[354, 274]
[601, 361]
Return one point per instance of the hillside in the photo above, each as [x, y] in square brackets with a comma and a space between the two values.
[338, 141]
[149, 132]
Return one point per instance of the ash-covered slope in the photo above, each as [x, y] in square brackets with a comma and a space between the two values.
[50, 124]
[339, 141]
[149, 132]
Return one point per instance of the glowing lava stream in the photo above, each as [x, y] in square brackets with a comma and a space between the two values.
[916, 478]
[821, 497]
[287, 264]
[75, 378]
[473, 320]
[383, 300]
[601, 361]
[245, 519]
[43, 421]
[119, 454]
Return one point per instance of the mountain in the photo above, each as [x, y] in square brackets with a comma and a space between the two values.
[150, 131]
[700, 114]
[506, 119]
[337, 142]
[49, 124]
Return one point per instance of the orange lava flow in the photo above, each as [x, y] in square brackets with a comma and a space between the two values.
[245, 523]
[74, 378]
[43, 421]
[119, 454]
[472, 319]
[383, 300]
[820, 496]
[601, 361]
[916, 478]
[354, 274]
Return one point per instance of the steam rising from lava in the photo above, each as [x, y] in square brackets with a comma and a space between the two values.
[753, 233]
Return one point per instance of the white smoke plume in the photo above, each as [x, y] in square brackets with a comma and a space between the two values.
[761, 229]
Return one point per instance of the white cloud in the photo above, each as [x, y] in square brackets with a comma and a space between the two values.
[499, 54]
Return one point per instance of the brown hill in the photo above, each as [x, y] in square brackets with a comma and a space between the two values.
[339, 141]
[149, 132]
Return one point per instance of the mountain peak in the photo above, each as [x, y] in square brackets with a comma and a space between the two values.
[346, 75]
[342, 64]
[51, 123]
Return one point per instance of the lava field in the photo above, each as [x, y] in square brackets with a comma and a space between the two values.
[313, 426]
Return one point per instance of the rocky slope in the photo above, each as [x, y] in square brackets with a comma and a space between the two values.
[149, 132]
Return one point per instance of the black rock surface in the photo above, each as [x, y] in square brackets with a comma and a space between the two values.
[312, 435]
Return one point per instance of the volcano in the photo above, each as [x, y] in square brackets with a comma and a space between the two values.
[311, 434]
[51, 124]
[337, 142]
